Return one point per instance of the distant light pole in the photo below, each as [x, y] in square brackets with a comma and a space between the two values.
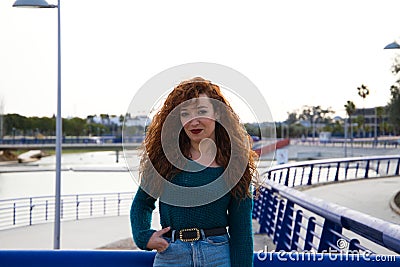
[44, 4]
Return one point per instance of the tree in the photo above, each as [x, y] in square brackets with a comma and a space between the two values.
[350, 109]
[313, 114]
[379, 113]
[363, 92]
[292, 118]
[393, 107]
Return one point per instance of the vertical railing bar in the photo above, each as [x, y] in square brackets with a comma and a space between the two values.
[30, 211]
[337, 172]
[91, 207]
[310, 175]
[309, 236]
[327, 174]
[366, 169]
[388, 167]
[104, 201]
[377, 167]
[46, 209]
[319, 173]
[77, 207]
[294, 177]
[357, 166]
[14, 212]
[119, 203]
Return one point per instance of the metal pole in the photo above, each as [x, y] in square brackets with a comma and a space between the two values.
[345, 137]
[58, 141]
[376, 129]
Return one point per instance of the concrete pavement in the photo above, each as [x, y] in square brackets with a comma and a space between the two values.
[370, 196]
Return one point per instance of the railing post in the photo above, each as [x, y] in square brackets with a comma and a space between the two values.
[287, 177]
[265, 204]
[366, 169]
[327, 235]
[284, 232]
[77, 207]
[278, 222]
[14, 212]
[398, 167]
[353, 245]
[309, 236]
[337, 172]
[309, 182]
[296, 230]
[30, 210]
[47, 209]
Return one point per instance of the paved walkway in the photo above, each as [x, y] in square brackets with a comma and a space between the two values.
[370, 196]
[82, 234]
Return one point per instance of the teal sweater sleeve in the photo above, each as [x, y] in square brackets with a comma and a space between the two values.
[141, 212]
[240, 231]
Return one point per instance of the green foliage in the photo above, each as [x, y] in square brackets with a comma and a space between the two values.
[393, 107]
[15, 124]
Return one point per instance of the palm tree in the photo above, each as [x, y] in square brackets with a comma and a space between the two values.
[350, 109]
[363, 91]
[379, 113]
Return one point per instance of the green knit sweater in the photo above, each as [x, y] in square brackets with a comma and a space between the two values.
[226, 211]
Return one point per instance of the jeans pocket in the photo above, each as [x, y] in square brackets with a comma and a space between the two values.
[169, 245]
[217, 240]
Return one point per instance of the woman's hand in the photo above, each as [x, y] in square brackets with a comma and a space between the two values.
[157, 242]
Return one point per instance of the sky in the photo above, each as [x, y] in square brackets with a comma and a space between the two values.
[297, 53]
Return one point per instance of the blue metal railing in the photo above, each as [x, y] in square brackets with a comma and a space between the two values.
[63, 258]
[34, 210]
[300, 225]
[296, 221]
[333, 170]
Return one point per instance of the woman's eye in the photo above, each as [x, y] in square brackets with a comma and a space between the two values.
[184, 114]
[202, 111]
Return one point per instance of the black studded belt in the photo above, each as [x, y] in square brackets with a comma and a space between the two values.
[194, 234]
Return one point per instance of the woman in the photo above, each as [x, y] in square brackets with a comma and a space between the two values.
[193, 141]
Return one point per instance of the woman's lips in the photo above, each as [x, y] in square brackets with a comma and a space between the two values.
[195, 131]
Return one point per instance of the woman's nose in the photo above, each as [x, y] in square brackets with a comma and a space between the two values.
[194, 121]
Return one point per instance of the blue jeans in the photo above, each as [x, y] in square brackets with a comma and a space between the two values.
[209, 251]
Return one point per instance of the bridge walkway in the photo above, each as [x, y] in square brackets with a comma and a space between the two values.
[370, 196]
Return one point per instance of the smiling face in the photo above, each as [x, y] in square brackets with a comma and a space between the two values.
[198, 119]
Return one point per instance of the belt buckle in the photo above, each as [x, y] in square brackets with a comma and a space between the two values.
[189, 239]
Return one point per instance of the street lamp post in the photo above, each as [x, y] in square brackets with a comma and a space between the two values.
[44, 4]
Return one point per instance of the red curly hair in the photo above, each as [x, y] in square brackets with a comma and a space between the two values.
[231, 138]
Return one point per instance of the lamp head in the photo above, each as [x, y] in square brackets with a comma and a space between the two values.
[393, 45]
[33, 4]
